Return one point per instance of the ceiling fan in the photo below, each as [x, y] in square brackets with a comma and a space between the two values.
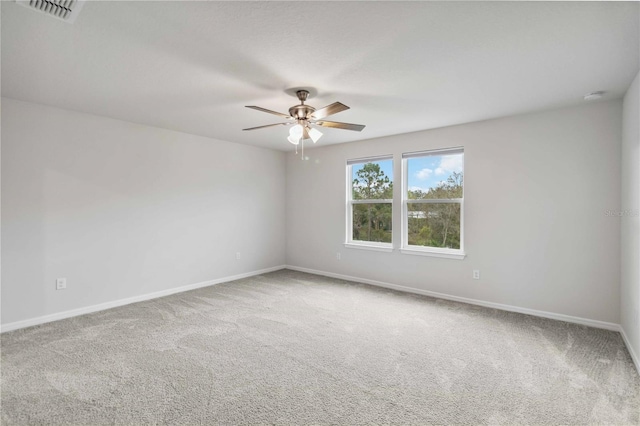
[303, 117]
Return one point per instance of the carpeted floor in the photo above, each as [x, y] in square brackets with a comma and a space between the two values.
[294, 348]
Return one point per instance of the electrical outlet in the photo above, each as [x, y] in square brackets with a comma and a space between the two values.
[61, 283]
[338, 256]
[476, 274]
[238, 256]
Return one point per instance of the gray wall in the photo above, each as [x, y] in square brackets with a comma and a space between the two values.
[630, 223]
[121, 209]
[536, 190]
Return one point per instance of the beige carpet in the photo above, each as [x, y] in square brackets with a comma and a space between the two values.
[294, 348]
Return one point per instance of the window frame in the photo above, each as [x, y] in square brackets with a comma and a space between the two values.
[405, 248]
[349, 241]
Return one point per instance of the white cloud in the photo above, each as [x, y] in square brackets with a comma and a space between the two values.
[424, 174]
[450, 164]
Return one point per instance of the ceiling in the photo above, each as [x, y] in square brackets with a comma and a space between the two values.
[400, 66]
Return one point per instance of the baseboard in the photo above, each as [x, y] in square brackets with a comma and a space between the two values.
[551, 315]
[633, 354]
[121, 302]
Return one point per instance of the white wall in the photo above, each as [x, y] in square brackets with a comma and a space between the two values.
[122, 209]
[536, 190]
[630, 221]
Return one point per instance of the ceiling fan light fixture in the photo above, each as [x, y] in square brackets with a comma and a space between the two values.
[296, 131]
[295, 134]
[314, 134]
[293, 140]
[304, 115]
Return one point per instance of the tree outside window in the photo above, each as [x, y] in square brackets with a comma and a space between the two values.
[433, 199]
[371, 200]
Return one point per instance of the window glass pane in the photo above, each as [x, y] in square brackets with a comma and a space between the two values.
[435, 176]
[372, 180]
[434, 225]
[372, 222]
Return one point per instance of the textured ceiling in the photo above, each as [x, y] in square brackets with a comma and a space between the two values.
[400, 66]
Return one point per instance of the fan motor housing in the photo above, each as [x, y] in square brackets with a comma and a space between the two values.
[301, 112]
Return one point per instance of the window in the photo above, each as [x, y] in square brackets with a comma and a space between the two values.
[432, 202]
[370, 202]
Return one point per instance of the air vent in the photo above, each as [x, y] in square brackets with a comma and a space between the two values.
[65, 10]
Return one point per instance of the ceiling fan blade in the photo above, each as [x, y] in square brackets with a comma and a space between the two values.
[268, 125]
[334, 108]
[337, 125]
[269, 111]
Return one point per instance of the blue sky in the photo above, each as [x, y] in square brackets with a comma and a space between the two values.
[429, 172]
[424, 172]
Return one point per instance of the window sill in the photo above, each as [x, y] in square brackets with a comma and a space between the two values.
[446, 254]
[386, 248]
